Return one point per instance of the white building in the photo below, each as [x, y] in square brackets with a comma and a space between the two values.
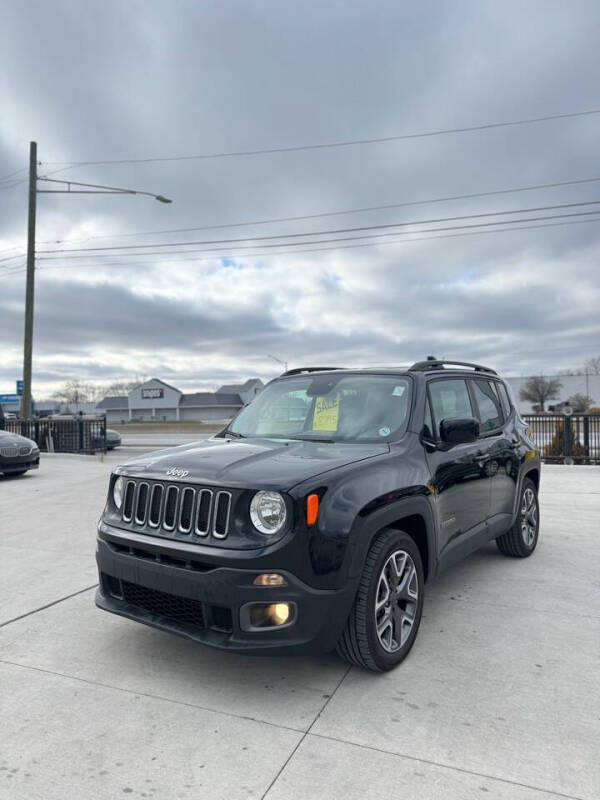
[157, 401]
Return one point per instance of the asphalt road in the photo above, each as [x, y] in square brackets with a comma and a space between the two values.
[498, 699]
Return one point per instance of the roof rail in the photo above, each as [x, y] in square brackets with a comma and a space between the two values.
[300, 370]
[423, 366]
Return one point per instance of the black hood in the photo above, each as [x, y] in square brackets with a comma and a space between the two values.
[256, 463]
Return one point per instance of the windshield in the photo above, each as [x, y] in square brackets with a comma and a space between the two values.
[327, 407]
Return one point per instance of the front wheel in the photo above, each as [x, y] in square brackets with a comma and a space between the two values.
[384, 620]
[521, 540]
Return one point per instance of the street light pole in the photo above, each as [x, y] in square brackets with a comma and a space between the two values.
[30, 286]
[279, 361]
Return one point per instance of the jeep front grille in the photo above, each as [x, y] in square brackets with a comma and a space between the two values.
[175, 509]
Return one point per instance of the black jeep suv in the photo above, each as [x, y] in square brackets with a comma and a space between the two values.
[315, 518]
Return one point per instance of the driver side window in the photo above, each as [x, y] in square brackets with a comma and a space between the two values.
[449, 400]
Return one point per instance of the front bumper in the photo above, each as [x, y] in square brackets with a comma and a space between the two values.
[202, 601]
[19, 463]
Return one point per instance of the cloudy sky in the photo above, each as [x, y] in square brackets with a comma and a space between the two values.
[119, 81]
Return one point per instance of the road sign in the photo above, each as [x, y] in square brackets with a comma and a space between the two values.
[9, 398]
[19, 388]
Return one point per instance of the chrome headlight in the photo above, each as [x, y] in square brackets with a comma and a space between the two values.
[118, 492]
[268, 512]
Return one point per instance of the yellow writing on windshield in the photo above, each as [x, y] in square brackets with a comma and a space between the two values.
[325, 415]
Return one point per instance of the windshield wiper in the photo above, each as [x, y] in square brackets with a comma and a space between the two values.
[234, 434]
[305, 439]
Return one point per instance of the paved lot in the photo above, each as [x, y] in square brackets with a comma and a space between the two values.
[498, 699]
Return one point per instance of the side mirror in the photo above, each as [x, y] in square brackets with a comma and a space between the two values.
[459, 431]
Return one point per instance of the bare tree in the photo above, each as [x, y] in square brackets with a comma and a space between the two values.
[580, 402]
[121, 388]
[538, 389]
[593, 365]
[74, 391]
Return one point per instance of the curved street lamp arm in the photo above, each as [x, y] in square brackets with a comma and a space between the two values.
[105, 189]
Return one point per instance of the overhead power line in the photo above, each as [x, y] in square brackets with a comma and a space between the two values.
[330, 145]
[338, 247]
[12, 184]
[216, 250]
[10, 258]
[12, 174]
[341, 247]
[384, 207]
[354, 229]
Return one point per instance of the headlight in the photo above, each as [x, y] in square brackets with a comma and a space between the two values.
[267, 512]
[118, 492]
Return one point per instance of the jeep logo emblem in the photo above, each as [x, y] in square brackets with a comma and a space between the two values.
[175, 472]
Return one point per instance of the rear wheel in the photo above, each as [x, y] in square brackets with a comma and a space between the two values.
[384, 620]
[521, 540]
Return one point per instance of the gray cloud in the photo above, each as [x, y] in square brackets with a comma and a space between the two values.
[113, 80]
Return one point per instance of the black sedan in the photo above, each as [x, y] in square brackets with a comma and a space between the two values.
[113, 439]
[17, 454]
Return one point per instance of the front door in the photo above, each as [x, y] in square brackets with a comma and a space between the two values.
[461, 480]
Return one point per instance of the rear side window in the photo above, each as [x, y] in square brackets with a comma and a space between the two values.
[490, 413]
[449, 400]
[504, 399]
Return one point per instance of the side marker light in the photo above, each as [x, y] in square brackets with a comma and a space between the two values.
[312, 509]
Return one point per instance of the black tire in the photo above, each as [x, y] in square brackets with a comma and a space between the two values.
[360, 643]
[520, 541]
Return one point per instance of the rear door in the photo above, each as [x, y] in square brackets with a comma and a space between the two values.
[496, 445]
[462, 485]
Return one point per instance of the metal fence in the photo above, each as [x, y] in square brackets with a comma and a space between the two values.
[566, 439]
[70, 435]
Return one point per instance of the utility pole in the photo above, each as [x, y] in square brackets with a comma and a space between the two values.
[587, 381]
[30, 286]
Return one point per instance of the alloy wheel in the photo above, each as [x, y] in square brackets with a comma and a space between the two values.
[396, 601]
[528, 516]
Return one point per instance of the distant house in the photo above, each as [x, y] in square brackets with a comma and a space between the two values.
[159, 401]
[246, 391]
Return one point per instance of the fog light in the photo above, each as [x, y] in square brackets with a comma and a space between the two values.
[280, 612]
[269, 579]
[267, 615]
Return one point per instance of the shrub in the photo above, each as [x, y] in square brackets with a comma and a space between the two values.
[557, 445]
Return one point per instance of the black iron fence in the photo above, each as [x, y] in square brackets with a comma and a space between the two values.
[71, 435]
[566, 439]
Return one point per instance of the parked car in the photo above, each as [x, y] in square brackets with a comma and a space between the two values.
[113, 439]
[315, 519]
[17, 454]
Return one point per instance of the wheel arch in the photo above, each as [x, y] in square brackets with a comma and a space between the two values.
[413, 516]
[531, 470]
[533, 475]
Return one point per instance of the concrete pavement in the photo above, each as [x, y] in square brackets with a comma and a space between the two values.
[498, 699]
